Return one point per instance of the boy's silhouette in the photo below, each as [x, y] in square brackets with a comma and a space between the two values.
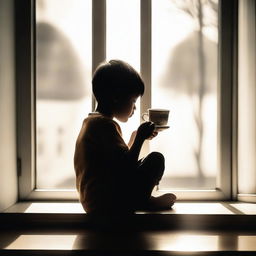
[109, 176]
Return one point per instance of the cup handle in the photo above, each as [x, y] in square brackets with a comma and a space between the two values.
[143, 116]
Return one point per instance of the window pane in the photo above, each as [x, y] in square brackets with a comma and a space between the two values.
[63, 98]
[123, 42]
[184, 80]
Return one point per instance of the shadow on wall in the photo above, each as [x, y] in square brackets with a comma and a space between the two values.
[59, 70]
[182, 75]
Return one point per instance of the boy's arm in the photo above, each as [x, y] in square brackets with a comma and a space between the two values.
[145, 131]
[132, 138]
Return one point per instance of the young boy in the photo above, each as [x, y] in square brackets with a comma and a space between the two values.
[109, 176]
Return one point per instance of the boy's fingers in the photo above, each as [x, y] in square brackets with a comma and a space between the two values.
[154, 134]
[152, 126]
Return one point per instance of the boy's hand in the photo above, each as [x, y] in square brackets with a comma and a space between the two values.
[153, 135]
[146, 131]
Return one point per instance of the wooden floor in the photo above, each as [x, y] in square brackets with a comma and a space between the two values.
[127, 243]
[205, 229]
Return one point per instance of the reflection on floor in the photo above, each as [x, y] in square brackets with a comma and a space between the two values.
[129, 241]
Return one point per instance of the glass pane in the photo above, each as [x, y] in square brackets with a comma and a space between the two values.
[184, 80]
[63, 90]
[123, 42]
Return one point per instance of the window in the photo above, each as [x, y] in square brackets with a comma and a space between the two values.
[63, 93]
[184, 80]
[183, 50]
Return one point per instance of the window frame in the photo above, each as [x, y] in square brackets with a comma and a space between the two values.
[25, 95]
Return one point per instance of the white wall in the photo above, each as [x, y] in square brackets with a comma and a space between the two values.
[8, 179]
[247, 98]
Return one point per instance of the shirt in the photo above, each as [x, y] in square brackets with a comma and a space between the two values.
[100, 163]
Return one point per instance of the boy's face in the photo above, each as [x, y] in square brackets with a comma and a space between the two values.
[125, 108]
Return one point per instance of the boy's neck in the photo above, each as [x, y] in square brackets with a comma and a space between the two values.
[104, 113]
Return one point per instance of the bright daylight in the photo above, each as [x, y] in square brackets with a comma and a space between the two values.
[184, 80]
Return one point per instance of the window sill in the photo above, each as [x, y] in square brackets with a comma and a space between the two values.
[184, 215]
[218, 207]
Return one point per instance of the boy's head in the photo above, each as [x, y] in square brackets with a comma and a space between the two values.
[113, 83]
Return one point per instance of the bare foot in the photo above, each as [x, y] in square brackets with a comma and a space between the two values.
[163, 202]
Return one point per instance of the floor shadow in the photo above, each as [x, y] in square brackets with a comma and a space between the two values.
[7, 238]
[21, 207]
[111, 240]
[232, 208]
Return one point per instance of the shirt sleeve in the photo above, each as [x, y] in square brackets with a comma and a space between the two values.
[111, 138]
[105, 136]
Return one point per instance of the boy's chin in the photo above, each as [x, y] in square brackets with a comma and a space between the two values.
[122, 119]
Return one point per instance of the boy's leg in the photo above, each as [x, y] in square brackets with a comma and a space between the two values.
[148, 174]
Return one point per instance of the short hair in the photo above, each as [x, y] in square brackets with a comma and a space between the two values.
[116, 79]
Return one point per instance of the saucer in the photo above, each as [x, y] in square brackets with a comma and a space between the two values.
[161, 127]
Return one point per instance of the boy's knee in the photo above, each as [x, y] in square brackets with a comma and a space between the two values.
[157, 163]
[157, 157]
[157, 166]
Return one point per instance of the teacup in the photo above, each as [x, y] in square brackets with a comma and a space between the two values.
[158, 116]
